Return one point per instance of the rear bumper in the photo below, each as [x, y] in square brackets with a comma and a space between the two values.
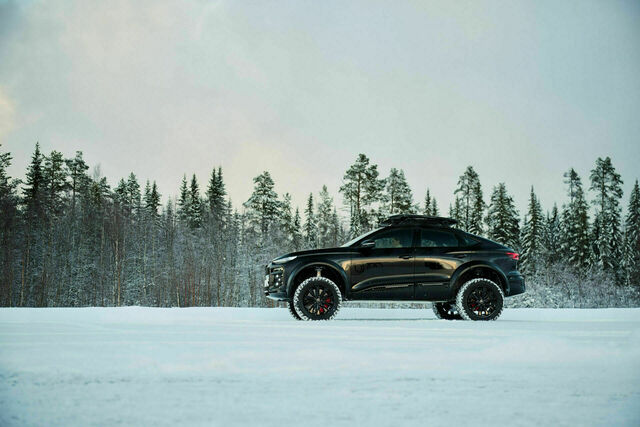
[516, 284]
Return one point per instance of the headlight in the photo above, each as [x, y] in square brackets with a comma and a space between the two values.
[284, 260]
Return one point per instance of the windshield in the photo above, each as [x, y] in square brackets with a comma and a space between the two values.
[362, 236]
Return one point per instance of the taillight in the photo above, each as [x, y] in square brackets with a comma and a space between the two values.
[513, 255]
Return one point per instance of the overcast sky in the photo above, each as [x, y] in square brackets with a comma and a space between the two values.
[520, 90]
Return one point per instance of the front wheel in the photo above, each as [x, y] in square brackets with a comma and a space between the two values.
[292, 310]
[317, 298]
[480, 299]
[446, 310]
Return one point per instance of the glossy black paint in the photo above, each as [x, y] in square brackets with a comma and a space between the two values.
[416, 272]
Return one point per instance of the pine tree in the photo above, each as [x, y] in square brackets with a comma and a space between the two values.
[77, 174]
[152, 200]
[552, 237]
[55, 179]
[575, 222]
[362, 189]
[502, 218]
[607, 185]
[398, 198]
[184, 201]
[335, 232]
[427, 204]
[195, 204]
[532, 233]
[263, 207]
[287, 225]
[632, 238]
[434, 207]
[297, 239]
[134, 197]
[472, 203]
[215, 195]
[455, 211]
[324, 218]
[33, 191]
[310, 227]
[8, 230]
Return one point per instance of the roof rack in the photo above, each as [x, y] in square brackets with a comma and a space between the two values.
[418, 219]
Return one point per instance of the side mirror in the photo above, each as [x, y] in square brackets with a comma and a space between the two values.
[367, 244]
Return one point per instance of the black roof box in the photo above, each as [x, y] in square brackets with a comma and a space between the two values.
[418, 219]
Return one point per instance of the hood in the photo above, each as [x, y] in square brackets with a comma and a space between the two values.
[338, 250]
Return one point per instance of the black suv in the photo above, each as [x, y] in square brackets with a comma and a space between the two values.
[409, 258]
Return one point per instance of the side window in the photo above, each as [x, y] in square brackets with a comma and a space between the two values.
[466, 240]
[399, 238]
[430, 238]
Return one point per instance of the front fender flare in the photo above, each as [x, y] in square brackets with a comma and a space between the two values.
[324, 264]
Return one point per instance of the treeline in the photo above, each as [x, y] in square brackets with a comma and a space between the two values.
[69, 239]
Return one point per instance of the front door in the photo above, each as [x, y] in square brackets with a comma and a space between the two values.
[385, 271]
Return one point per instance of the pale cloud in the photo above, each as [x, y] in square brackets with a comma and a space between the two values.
[521, 91]
[7, 116]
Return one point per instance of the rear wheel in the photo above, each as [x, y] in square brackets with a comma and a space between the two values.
[317, 298]
[480, 299]
[446, 310]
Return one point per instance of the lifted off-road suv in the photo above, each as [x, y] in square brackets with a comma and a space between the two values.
[409, 258]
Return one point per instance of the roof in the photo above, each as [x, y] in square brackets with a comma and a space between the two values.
[418, 219]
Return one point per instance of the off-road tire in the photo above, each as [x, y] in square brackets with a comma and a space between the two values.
[305, 294]
[292, 310]
[477, 292]
[446, 310]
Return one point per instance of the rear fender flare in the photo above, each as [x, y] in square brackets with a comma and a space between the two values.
[455, 282]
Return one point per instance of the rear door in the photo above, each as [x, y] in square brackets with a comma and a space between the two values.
[438, 254]
[385, 271]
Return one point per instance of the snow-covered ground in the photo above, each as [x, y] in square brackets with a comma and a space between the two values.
[226, 366]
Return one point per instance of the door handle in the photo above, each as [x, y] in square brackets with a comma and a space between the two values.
[405, 256]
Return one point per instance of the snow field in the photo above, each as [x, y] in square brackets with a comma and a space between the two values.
[251, 366]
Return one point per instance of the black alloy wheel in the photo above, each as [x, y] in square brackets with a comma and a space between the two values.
[480, 299]
[446, 310]
[317, 298]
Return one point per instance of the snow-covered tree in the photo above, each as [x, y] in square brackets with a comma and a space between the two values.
[552, 236]
[607, 236]
[287, 222]
[575, 222]
[263, 207]
[152, 200]
[297, 238]
[324, 218]
[310, 224]
[184, 201]
[532, 233]
[502, 218]
[194, 214]
[472, 206]
[455, 211]
[216, 193]
[362, 189]
[632, 237]
[397, 197]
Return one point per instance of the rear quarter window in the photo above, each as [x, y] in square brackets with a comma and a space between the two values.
[430, 238]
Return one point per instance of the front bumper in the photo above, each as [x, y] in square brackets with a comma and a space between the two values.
[516, 284]
[275, 283]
